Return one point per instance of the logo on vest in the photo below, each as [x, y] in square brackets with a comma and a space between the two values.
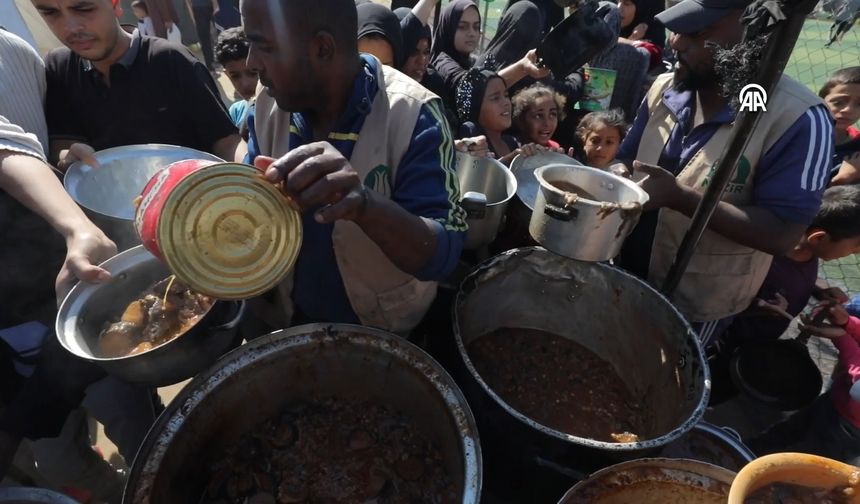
[753, 98]
[379, 179]
[738, 182]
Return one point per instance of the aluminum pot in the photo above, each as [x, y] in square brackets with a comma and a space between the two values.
[106, 193]
[720, 446]
[28, 495]
[486, 186]
[584, 213]
[654, 481]
[801, 469]
[87, 307]
[256, 381]
[612, 313]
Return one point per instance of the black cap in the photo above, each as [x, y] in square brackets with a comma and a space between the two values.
[691, 16]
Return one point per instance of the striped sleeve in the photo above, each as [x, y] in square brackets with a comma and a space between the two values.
[426, 186]
[795, 171]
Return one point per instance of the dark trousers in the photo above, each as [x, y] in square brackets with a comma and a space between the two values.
[203, 23]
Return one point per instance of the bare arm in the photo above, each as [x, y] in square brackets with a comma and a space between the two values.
[231, 148]
[526, 67]
[423, 9]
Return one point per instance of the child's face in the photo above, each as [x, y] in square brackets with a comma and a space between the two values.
[541, 120]
[601, 145]
[468, 31]
[416, 63]
[139, 13]
[844, 104]
[627, 11]
[496, 108]
[243, 78]
[828, 249]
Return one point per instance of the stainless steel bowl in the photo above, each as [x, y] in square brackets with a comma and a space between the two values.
[107, 193]
[88, 306]
[28, 495]
[256, 381]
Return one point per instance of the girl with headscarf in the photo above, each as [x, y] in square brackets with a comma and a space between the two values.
[630, 65]
[379, 34]
[416, 46]
[456, 37]
[641, 30]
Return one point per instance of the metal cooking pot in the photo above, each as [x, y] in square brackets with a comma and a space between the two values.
[107, 193]
[654, 481]
[720, 446]
[756, 370]
[591, 223]
[27, 495]
[612, 313]
[487, 186]
[256, 381]
[88, 306]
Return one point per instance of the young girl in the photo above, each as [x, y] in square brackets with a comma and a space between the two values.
[639, 28]
[841, 93]
[537, 111]
[484, 108]
[601, 134]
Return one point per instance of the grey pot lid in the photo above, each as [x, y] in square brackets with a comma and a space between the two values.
[524, 167]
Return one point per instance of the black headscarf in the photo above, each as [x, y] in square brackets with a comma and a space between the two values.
[515, 36]
[443, 39]
[551, 14]
[645, 12]
[470, 93]
[412, 29]
[378, 19]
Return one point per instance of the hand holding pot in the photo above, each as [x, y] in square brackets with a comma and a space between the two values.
[475, 146]
[318, 176]
[662, 187]
[837, 317]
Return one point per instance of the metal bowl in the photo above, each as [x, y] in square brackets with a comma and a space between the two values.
[107, 193]
[28, 495]
[255, 382]
[88, 306]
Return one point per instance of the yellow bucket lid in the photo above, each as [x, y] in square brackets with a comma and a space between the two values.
[228, 233]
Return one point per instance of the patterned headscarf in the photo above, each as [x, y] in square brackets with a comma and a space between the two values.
[471, 91]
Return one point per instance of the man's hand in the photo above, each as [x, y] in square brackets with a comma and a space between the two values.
[77, 152]
[317, 175]
[662, 187]
[85, 250]
[835, 315]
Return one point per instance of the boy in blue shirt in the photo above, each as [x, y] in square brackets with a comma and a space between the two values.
[231, 51]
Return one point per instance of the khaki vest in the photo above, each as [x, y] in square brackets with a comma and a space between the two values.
[723, 277]
[381, 295]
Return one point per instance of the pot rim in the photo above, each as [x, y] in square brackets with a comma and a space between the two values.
[170, 422]
[659, 441]
[81, 289]
[75, 172]
[546, 186]
[761, 471]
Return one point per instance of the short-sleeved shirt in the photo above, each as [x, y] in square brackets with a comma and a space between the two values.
[788, 180]
[159, 93]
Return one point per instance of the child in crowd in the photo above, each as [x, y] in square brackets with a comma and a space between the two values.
[231, 51]
[537, 111]
[600, 134]
[841, 93]
[144, 22]
[833, 234]
[484, 108]
[830, 426]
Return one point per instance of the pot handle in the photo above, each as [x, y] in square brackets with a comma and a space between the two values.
[735, 434]
[560, 213]
[475, 204]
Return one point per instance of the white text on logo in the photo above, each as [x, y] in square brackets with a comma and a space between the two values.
[753, 98]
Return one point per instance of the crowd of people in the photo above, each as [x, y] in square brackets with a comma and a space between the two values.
[358, 117]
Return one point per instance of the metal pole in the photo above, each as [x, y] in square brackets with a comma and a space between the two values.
[484, 23]
[774, 59]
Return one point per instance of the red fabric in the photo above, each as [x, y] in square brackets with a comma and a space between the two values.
[552, 144]
[654, 52]
[847, 373]
[853, 132]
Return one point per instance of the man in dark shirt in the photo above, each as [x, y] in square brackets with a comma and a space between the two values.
[108, 88]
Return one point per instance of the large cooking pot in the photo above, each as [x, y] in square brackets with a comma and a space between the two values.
[28, 495]
[756, 370]
[87, 308]
[613, 314]
[254, 382]
[800, 469]
[720, 446]
[654, 481]
[107, 192]
[584, 213]
[486, 186]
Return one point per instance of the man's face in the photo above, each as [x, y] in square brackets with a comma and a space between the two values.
[278, 54]
[87, 27]
[695, 52]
